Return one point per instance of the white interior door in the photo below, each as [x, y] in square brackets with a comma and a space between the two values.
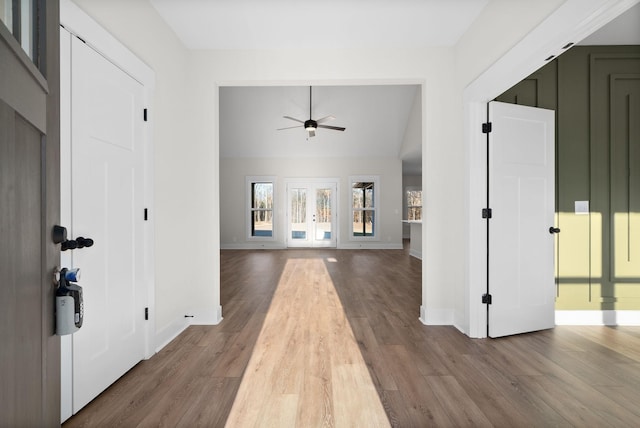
[521, 196]
[311, 214]
[107, 206]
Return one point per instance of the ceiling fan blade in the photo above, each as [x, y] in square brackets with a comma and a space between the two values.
[290, 127]
[325, 119]
[335, 128]
[312, 133]
[293, 118]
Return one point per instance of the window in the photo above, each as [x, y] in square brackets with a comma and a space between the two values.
[23, 19]
[261, 191]
[414, 204]
[364, 202]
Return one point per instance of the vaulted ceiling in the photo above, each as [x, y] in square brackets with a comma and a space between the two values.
[376, 117]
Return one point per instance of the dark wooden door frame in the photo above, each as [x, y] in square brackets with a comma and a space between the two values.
[31, 104]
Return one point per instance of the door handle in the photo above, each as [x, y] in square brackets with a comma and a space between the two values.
[59, 236]
[77, 243]
[553, 230]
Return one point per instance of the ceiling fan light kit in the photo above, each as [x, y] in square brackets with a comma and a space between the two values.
[311, 125]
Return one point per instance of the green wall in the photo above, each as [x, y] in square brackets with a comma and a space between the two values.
[595, 91]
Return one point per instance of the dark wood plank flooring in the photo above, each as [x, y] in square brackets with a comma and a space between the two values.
[424, 375]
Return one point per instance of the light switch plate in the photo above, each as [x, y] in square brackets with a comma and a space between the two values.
[582, 207]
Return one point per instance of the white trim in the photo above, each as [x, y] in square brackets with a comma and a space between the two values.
[173, 330]
[205, 316]
[166, 335]
[436, 316]
[364, 245]
[76, 22]
[254, 246]
[149, 236]
[318, 82]
[415, 253]
[66, 342]
[343, 246]
[571, 22]
[630, 318]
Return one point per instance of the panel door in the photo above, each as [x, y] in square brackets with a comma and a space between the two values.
[521, 195]
[311, 214]
[107, 206]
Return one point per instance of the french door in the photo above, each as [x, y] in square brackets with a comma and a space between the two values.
[311, 214]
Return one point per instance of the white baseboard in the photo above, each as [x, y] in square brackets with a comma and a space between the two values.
[253, 246]
[173, 330]
[436, 316]
[279, 246]
[369, 246]
[170, 332]
[206, 316]
[415, 253]
[631, 318]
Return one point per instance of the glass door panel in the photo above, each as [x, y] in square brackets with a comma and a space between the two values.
[324, 216]
[311, 214]
[298, 214]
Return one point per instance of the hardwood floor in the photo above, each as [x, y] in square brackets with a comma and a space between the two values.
[300, 326]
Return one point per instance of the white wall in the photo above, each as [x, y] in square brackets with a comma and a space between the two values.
[497, 29]
[185, 252]
[412, 139]
[434, 68]
[186, 136]
[233, 196]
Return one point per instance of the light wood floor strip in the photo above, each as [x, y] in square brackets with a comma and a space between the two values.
[306, 368]
[305, 340]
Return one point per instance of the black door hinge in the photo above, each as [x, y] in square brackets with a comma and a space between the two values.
[486, 128]
[146, 314]
[144, 114]
[146, 214]
[487, 213]
[486, 299]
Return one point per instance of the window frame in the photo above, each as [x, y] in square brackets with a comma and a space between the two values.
[375, 179]
[25, 26]
[250, 181]
[406, 200]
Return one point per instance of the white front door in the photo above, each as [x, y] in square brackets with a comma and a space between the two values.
[521, 196]
[311, 214]
[107, 197]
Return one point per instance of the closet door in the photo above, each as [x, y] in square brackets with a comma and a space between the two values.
[106, 205]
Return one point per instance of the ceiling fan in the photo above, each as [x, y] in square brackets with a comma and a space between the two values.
[311, 125]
